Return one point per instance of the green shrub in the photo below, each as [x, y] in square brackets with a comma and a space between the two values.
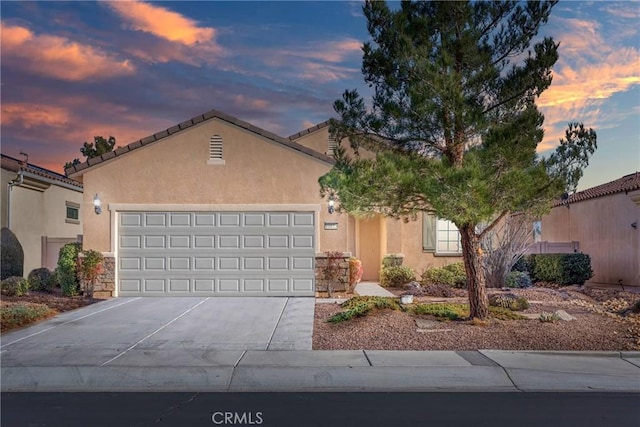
[453, 275]
[14, 286]
[13, 316]
[448, 311]
[548, 317]
[518, 279]
[510, 301]
[41, 279]
[563, 269]
[445, 311]
[68, 268]
[392, 260]
[11, 255]
[396, 276]
[526, 264]
[362, 305]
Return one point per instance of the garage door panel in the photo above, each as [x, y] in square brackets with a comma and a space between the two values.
[154, 285]
[204, 220]
[155, 220]
[229, 242]
[213, 253]
[204, 242]
[179, 219]
[155, 242]
[229, 220]
[253, 220]
[130, 219]
[179, 242]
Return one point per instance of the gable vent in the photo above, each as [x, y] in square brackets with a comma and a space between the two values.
[215, 150]
[332, 145]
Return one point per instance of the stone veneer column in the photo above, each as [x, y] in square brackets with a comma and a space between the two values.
[343, 279]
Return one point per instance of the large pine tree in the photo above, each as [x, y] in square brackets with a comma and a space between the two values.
[453, 121]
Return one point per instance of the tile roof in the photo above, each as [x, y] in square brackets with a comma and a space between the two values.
[14, 165]
[309, 130]
[213, 114]
[627, 183]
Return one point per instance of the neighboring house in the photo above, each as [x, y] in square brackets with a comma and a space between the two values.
[42, 208]
[217, 206]
[605, 221]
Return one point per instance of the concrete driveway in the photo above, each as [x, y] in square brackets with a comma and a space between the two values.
[162, 331]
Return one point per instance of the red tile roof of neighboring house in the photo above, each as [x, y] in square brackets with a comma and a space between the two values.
[627, 183]
[14, 165]
[213, 114]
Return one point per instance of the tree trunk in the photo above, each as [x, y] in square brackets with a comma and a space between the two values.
[472, 254]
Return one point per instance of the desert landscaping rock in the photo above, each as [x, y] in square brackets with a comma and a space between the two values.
[594, 328]
[563, 315]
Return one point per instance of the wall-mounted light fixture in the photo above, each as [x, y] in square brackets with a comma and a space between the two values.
[634, 225]
[332, 203]
[97, 204]
[565, 200]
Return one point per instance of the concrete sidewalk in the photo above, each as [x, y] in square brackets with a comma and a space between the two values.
[294, 371]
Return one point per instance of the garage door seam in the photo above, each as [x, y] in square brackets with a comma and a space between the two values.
[68, 321]
[155, 332]
[273, 333]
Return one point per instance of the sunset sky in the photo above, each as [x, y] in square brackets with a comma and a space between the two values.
[74, 70]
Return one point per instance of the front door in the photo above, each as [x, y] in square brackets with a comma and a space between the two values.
[368, 250]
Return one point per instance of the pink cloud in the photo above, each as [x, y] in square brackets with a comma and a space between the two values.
[589, 72]
[58, 57]
[162, 22]
[242, 101]
[28, 115]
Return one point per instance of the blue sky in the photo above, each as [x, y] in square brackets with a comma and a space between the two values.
[74, 70]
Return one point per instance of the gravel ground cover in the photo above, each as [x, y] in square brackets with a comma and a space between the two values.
[597, 325]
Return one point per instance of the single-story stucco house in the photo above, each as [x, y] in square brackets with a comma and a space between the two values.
[217, 206]
[42, 208]
[605, 221]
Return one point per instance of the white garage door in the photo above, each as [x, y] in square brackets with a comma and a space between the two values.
[216, 253]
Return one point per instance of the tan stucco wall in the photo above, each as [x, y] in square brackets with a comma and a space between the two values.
[35, 214]
[602, 226]
[175, 171]
[380, 236]
[319, 141]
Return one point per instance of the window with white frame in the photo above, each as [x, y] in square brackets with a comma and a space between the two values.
[215, 151]
[73, 213]
[440, 236]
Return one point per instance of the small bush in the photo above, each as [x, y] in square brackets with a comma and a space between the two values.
[396, 276]
[361, 306]
[444, 311]
[392, 260]
[461, 311]
[11, 254]
[563, 269]
[355, 272]
[16, 315]
[41, 279]
[14, 286]
[453, 275]
[510, 301]
[518, 279]
[68, 268]
[526, 264]
[548, 317]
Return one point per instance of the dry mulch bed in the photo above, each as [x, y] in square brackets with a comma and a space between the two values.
[55, 301]
[597, 326]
